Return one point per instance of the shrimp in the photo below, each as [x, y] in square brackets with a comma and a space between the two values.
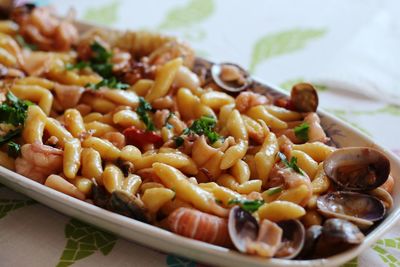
[65, 36]
[288, 179]
[120, 60]
[38, 161]
[172, 50]
[160, 118]
[41, 27]
[68, 95]
[246, 100]
[315, 132]
[200, 226]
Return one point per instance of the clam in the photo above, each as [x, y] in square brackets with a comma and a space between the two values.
[100, 195]
[127, 205]
[357, 168]
[311, 237]
[383, 196]
[119, 202]
[304, 97]
[336, 236]
[293, 237]
[250, 237]
[230, 77]
[361, 209]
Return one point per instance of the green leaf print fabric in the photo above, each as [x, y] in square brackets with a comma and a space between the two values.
[82, 241]
[347, 49]
[282, 43]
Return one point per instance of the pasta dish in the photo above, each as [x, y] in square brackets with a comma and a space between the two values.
[135, 123]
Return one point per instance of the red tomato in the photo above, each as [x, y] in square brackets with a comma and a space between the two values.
[139, 138]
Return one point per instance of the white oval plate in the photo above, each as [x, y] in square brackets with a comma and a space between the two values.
[151, 236]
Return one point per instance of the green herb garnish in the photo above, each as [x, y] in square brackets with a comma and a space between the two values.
[218, 201]
[100, 61]
[13, 110]
[142, 110]
[301, 131]
[204, 126]
[178, 141]
[273, 191]
[13, 149]
[111, 83]
[10, 135]
[21, 41]
[247, 205]
[292, 164]
[80, 65]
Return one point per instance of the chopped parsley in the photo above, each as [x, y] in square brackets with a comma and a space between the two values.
[111, 83]
[13, 149]
[167, 124]
[204, 126]
[21, 41]
[218, 201]
[142, 110]
[247, 205]
[10, 135]
[301, 131]
[292, 164]
[13, 110]
[80, 65]
[178, 141]
[99, 63]
[273, 190]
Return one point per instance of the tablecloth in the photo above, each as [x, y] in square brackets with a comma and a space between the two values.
[349, 49]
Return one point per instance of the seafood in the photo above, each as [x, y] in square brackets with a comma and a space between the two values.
[38, 161]
[200, 226]
[288, 179]
[68, 95]
[315, 131]
[246, 100]
[248, 236]
[230, 77]
[361, 209]
[41, 27]
[357, 168]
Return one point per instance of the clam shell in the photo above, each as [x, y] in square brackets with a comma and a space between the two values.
[304, 97]
[292, 239]
[361, 209]
[229, 86]
[357, 168]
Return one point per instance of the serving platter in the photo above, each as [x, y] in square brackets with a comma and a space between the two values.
[341, 134]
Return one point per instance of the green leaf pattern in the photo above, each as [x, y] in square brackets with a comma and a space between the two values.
[352, 263]
[8, 205]
[185, 16]
[280, 43]
[382, 246]
[287, 85]
[82, 241]
[106, 14]
[175, 261]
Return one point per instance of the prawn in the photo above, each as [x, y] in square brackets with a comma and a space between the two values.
[288, 179]
[246, 100]
[315, 132]
[200, 226]
[38, 161]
